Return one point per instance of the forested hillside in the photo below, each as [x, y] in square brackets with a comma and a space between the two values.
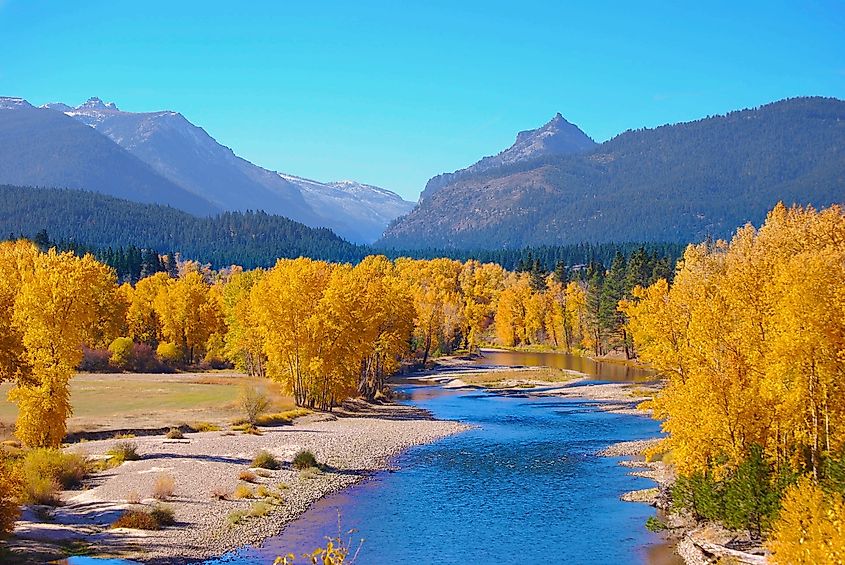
[96, 221]
[116, 231]
[680, 182]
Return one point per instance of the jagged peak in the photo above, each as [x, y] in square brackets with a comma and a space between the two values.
[13, 103]
[95, 103]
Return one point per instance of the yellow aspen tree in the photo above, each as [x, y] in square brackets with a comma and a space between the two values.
[55, 311]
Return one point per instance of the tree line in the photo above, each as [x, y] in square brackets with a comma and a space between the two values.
[751, 337]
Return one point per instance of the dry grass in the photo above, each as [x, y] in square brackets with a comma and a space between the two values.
[243, 491]
[164, 487]
[281, 418]
[248, 476]
[136, 401]
[265, 460]
[175, 433]
[516, 378]
[133, 497]
[136, 520]
[123, 451]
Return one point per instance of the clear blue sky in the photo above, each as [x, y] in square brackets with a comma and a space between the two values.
[392, 93]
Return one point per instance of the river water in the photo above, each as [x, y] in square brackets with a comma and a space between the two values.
[524, 486]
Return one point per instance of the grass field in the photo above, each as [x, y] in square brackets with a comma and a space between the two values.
[135, 401]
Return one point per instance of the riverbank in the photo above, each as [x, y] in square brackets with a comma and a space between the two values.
[205, 468]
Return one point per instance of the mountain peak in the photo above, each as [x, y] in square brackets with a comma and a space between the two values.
[95, 103]
[13, 103]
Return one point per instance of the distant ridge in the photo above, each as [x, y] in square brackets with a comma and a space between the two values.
[188, 156]
[678, 182]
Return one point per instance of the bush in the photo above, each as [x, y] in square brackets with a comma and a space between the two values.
[809, 526]
[175, 433]
[262, 491]
[265, 460]
[248, 476]
[304, 459]
[281, 418]
[163, 514]
[164, 486]
[253, 403]
[123, 451]
[235, 517]
[144, 360]
[41, 490]
[654, 524]
[260, 508]
[169, 353]
[95, 360]
[242, 491]
[66, 469]
[137, 520]
[10, 486]
[121, 350]
[205, 427]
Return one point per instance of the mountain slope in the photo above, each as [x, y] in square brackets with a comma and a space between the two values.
[190, 157]
[674, 183]
[46, 148]
[94, 220]
[557, 137]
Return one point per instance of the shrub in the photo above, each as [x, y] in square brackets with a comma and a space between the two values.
[137, 520]
[253, 403]
[281, 418]
[310, 473]
[809, 527]
[144, 359]
[260, 508]
[41, 490]
[121, 350]
[10, 485]
[654, 524]
[94, 360]
[175, 433]
[219, 493]
[169, 353]
[262, 491]
[263, 473]
[164, 486]
[133, 497]
[66, 469]
[265, 460]
[304, 459]
[163, 514]
[235, 517]
[123, 451]
[205, 427]
[242, 491]
[248, 476]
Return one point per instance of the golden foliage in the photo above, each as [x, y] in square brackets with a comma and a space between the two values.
[752, 337]
[810, 529]
[10, 486]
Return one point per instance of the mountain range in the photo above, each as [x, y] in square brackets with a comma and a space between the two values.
[173, 162]
[680, 182]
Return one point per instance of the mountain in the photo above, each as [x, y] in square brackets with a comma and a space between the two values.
[97, 221]
[679, 182]
[189, 157]
[557, 137]
[46, 148]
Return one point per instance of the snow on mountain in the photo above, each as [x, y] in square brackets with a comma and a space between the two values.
[13, 103]
[187, 155]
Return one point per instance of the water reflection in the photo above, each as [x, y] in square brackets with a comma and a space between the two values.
[603, 370]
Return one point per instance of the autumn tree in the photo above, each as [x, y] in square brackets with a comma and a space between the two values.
[55, 311]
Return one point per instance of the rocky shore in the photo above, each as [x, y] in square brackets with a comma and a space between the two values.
[205, 468]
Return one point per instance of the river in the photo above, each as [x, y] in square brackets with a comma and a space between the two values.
[524, 486]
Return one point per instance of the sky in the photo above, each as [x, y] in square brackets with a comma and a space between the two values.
[393, 93]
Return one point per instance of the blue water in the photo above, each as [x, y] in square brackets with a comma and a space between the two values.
[523, 487]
